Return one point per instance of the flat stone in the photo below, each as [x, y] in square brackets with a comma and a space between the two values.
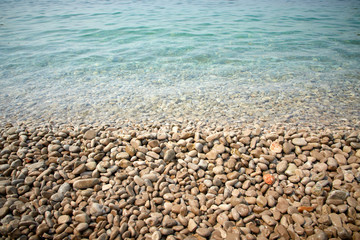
[281, 229]
[57, 197]
[192, 225]
[193, 166]
[291, 169]
[298, 218]
[288, 147]
[151, 176]
[338, 194]
[79, 169]
[261, 201]
[168, 222]
[97, 209]
[169, 155]
[74, 149]
[204, 232]
[64, 219]
[268, 220]
[211, 155]
[41, 229]
[341, 160]
[281, 167]
[138, 180]
[332, 164]
[82, 227]
[90, 134]
[299, 142]
[335, 219]
[3, 211]
[82, 218]
[282, 205]
[218, 169]
[243, 210]
[85, 183]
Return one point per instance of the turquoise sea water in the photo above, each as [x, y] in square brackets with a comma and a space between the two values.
[108, 60]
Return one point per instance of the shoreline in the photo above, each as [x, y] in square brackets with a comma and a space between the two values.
[179, 180]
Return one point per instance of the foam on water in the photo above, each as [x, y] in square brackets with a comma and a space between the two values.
[234, 60]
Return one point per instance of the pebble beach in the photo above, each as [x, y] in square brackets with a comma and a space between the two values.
[180, 180]
[179, 120]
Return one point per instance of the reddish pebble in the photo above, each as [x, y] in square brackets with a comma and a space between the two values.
[305, 208]
[269, 179]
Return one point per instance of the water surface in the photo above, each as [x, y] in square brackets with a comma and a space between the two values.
[234, 60]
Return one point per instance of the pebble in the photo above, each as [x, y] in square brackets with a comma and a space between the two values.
[96, 209]
[178, 183]
[281, 167]
[85, 183]
[64, 219]
[82, 227]
[192, 225]
[282, 205]
[169, 155]
[204, 232]
[90, 134]
[298, 218]
[291, 169]
[299, 142]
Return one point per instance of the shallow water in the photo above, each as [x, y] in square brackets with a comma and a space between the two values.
[91, 61]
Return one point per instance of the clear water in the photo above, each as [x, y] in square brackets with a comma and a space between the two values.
[205, 59]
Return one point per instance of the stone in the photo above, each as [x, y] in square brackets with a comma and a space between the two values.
[57, 197]
[243, 210]
[211, 155]
[4, 211]
[338, 194]
[281, 167]
[193, 166]
[332, 164]
[281, 229]
[291, 169]
[288, 147]
[299, 142]
[204, 232]
[64, 219]
[74, 149]
[335, 219]
[79, 169]
[151, 176]
[97, 209]
[349, 176]
[218, 169]
[85, 183]
[82, 218]
[276, 147]
[138, 180]
[169, 155]
[130, 150]
[64, 188]
[192, 225]
[82, 227]
[261, 201]
[222, 218]
[282, 205]
[268, 220]
[168, 222]
[90, 134]
[341, 160]
[298, 218]
[203, 164]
